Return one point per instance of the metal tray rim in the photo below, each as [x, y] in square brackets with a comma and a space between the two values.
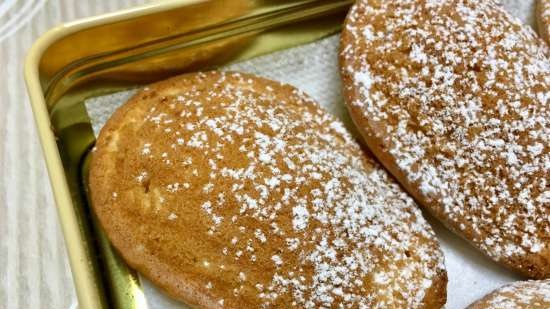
[87, 290]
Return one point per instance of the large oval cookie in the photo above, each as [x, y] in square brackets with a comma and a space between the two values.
[232, 191]
[543, 19]
[518, 295]
[452, 97]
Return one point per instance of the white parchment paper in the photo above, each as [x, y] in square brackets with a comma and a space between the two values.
[314, 69]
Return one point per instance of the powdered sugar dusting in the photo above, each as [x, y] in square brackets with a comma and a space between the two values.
[519, 295]
[298, 200]
[457, 93]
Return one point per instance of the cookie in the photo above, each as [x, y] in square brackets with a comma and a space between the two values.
[452, 97]
[518, 295]
[233, 191]
[543, 19]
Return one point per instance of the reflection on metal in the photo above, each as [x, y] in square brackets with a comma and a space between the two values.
[117, 51]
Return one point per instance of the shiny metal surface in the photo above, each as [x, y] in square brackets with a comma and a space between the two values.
[117, 51]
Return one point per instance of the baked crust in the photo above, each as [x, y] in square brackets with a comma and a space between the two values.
[452, 98]
[543, 19]
[232, 191]
[518, 295]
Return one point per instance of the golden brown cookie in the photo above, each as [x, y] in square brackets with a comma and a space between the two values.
[543, 19]
[518, 295]
[452, 97]
[232, 191]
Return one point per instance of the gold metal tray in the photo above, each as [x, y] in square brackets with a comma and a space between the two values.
[117, 51]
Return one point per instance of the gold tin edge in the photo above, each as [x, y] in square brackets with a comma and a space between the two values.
[88, 292]
[88, 287]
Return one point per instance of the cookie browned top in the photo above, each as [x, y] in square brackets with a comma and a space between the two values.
[519, 295]
[232, 191]
[452, 96]
[543, 19]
